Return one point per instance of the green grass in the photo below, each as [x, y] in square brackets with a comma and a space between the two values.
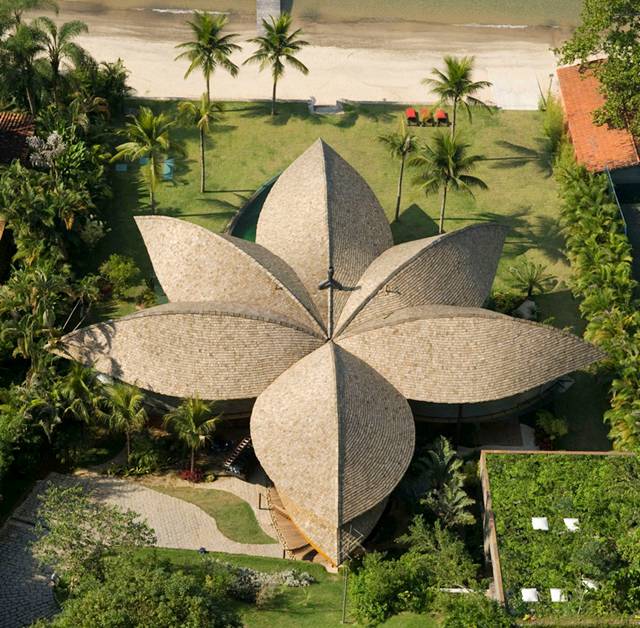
[234, 517]
[316, 606]
[250, 147]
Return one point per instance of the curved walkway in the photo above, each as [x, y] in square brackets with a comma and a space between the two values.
[177, 523]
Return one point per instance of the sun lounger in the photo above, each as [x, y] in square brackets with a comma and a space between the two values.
[441, 117]
[426, 117]
[412, 116]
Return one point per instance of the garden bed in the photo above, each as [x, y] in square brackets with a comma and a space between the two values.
[594, 567]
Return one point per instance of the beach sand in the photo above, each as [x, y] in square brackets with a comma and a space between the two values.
[361, 60]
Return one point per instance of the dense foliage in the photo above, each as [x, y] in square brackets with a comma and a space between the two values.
[600, 257]
[611, 28]
[140, 592]
[603, 493]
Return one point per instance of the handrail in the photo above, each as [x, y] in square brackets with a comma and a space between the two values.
[612, 189]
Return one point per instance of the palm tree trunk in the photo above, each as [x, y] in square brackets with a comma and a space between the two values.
[442, 208]
[399, 196]
[152, 182]
[193, 459]
[453, 117]
[202, 174]
[32, 107]
[208, 79]
[273, 98]
[128, 446]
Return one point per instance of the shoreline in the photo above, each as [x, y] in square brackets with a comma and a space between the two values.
[370, 60]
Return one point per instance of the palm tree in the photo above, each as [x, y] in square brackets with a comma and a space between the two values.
[530, 277]
[80, 392]
[400, 144]
[444, 166]
[210, 49]
[59, 45]
[202, 115]
[17, 7]
[149, 138]
[124, 411]
[192, 422]
[21, 49]
[454, 86]
[276, 48]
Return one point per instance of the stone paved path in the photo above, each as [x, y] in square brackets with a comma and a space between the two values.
[25, 594]
[177, 523]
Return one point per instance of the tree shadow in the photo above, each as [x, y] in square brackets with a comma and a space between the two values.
[542, 156]
[414, 223]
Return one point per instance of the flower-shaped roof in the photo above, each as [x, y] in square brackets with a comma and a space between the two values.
[332, 328]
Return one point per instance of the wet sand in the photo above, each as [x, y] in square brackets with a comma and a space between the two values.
[365, 60]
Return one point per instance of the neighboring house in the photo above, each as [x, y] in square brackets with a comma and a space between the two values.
[15, 128]
[598, 147]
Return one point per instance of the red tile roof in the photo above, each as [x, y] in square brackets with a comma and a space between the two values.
[14, 130]
[597, 147]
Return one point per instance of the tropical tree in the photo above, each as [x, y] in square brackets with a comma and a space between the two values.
[202, 115]
[454, 86]
[80, 392]
[400, 145]
[124, 412]
[60, 47]
[210, 48]
[149, 138]
[276, 48]
[16, 8]
[192, 422]
[443, 167]
[530, 277]
[21, 49]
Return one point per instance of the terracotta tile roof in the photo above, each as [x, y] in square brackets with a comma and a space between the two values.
[597, 147]
[14, 129]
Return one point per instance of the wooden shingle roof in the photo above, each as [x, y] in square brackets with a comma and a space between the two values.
[598, 147]
[14, 130]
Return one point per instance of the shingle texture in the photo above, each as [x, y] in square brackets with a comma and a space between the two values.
[322, 213]
[597, 147]
[456, 268]
[445, 354]
[350, 430]
[186, 349]
[331, 424]
[222, 268]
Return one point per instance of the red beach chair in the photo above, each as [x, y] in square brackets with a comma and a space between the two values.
[426, 117]
[412, 116]
[442, 117]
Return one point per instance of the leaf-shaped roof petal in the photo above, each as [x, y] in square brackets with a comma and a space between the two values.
[214, 351]
[322, 213]
[456, 268]
[446, 354]
[334, 436]
[195, 264]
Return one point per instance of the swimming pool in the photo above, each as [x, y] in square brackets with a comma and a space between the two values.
[245, 226]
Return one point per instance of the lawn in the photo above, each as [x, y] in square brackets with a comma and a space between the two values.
[234, 517]
[249, 148]
[316, 606]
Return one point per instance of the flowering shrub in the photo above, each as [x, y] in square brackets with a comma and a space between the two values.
[194, 476]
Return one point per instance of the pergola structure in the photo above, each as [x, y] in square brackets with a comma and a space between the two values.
[332, 329]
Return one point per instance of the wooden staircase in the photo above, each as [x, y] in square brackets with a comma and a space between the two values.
[296, 546]
[238, 449]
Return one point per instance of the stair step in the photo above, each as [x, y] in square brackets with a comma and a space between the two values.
[239, 448]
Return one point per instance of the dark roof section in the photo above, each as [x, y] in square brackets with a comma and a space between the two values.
[597, 147]
[14, 130]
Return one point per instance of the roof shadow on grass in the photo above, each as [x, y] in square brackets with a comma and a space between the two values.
[414, 224]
